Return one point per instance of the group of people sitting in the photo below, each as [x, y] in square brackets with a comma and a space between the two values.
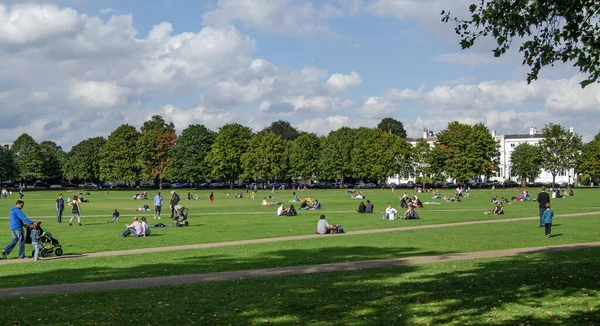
[137, 229]
[309, 204]
[144, 208]
[282, 211]
[365, 208]
[239, 195]
[140, 196]
[410, 214]
[405, 201]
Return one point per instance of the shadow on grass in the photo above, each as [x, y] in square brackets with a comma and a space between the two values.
[559, 287]
[207, 264]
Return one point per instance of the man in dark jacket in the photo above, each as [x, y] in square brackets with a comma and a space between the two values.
[543, 198]
[17, 218]
[174, 201]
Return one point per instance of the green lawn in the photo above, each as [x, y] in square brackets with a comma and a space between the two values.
[538, 289]
[442, 294]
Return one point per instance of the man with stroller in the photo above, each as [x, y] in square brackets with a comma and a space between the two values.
[17, 218]
[174, 201]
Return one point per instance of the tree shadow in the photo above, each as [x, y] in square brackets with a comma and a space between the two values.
[552, 287]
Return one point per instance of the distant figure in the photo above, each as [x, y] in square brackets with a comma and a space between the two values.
[499, 210]
[543, 199]
[75, 210]
[174, 202]
[60, 207]
[21, 195]
[547, 219]
[362, 208]
[369, 207]
[158, 203]
[115, 216]
[212, 197]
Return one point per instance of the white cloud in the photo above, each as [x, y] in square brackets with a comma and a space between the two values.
[108, 10]
[286, 17]
[98, 94]
[469, 58]
[26, 23]
[341, 83]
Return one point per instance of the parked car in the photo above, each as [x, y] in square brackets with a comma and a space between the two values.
[121, 186]
[107, 185]
[41, 184]
[69, 185]
[216, 185]
[176, 185]
[510, 184]
[202, 185]
[89, 185]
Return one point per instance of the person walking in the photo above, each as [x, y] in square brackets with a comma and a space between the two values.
[36, 232]
[21, 195]
[60, 207]
[212, 197]
[158, 202]
[75, 210]
[115, 216]
[174, 201]
[547, 216]
[543, 199]
[17, 218]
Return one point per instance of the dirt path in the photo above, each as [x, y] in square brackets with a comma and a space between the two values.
[274, 272]
[280, 239]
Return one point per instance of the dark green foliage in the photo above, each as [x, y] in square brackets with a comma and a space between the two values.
[284, 130]
[392, 126]
[118, 160]
[336, 154]
[53, 156]
[188, 156]
[7, 164]
[226, 152]
[29, 160]
[265, 157]
[589, 162]
[526, 162]
[84, 160]
[304, 156]
[548, 31]
[559, 149]
[470, 151]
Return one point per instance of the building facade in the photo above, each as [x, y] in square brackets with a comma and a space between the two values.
[507, 143]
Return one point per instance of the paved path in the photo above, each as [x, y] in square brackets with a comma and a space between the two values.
[280, 239]
[274, 272]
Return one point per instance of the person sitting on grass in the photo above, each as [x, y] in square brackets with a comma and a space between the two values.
[135, 229]
[291, 211]
[323, 227]
[403, 202]
[505, 201]
[362, 208]
[390, 212]
[281, 211]
[499, 210]
[315, 205]
[304, 206]
[411, 213]
[369, 207]
[494, 200]
[146, 232]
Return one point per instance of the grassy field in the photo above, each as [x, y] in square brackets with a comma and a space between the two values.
[439, 297]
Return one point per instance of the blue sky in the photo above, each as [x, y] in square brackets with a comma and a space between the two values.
[89, 66]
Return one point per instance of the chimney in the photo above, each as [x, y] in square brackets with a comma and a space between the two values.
[5, 146]
[493, 133]
[425, 133]
[532, 131]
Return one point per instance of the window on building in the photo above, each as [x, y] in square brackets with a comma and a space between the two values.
[562, 173]
[512, 145]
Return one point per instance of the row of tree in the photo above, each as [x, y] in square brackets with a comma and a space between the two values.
[281, 152]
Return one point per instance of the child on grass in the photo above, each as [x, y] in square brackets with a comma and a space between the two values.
[36, 232]
[115, 216]
[547, 219]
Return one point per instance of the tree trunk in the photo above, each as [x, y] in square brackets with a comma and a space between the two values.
[553, 180]
[523, 183]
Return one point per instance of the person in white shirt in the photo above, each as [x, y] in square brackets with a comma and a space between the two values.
[390, 212]
[136, 229]
[323, 227]
[281, 211]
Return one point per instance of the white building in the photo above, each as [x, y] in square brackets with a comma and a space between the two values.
[507, 144]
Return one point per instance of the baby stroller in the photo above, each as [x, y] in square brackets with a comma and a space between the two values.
[180, 216]
[48, 244]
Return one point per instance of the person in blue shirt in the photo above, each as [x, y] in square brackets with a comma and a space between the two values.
[158, 202]
[547, 218]
[17, 218]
